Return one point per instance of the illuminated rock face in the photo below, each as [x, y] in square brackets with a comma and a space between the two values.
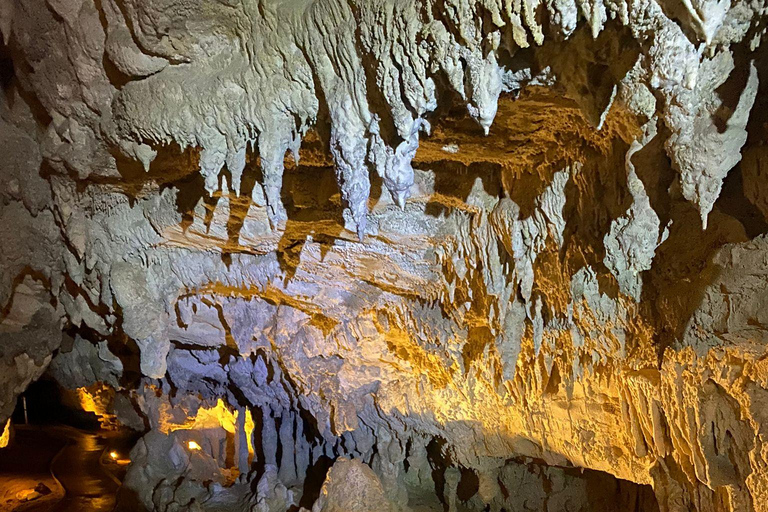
[460, 255]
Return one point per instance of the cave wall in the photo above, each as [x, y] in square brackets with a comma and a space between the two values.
[482, 248]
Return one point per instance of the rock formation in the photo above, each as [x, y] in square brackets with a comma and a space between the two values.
[395, 254]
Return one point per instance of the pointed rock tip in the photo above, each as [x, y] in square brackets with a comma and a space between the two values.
[361, 225]
[400, 198]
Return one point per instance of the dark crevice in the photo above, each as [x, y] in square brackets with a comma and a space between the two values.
[733, 202]
[313, 483]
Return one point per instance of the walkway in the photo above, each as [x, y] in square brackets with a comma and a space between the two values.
[72, 456]
[88, 487]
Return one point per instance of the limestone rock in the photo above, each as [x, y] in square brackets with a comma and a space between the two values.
[352, 486]
[383, 254]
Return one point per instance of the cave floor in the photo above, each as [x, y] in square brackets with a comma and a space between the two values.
[25, 464]
[70, 455]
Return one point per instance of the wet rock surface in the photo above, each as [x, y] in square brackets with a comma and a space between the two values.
[458, 255]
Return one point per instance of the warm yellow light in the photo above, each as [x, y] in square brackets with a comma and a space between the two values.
[250, 426]
[5, 438]
[193, 445]
[204, 419]
[97, 399]
[87, 400]
[113, 455]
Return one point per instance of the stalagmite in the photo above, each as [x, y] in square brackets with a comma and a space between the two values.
[287, 473]
[269, 438]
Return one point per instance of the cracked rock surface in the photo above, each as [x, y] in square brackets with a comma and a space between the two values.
[446, 255]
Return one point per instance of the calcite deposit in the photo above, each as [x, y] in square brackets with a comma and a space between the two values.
[395, 255]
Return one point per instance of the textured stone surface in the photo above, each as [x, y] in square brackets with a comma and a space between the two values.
[459, 254]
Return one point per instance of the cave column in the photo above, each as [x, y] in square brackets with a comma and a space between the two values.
[303, 450]
[287, 473]
[269, 437]
[241, 443]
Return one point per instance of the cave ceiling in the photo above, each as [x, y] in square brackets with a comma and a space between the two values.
[469, 255]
